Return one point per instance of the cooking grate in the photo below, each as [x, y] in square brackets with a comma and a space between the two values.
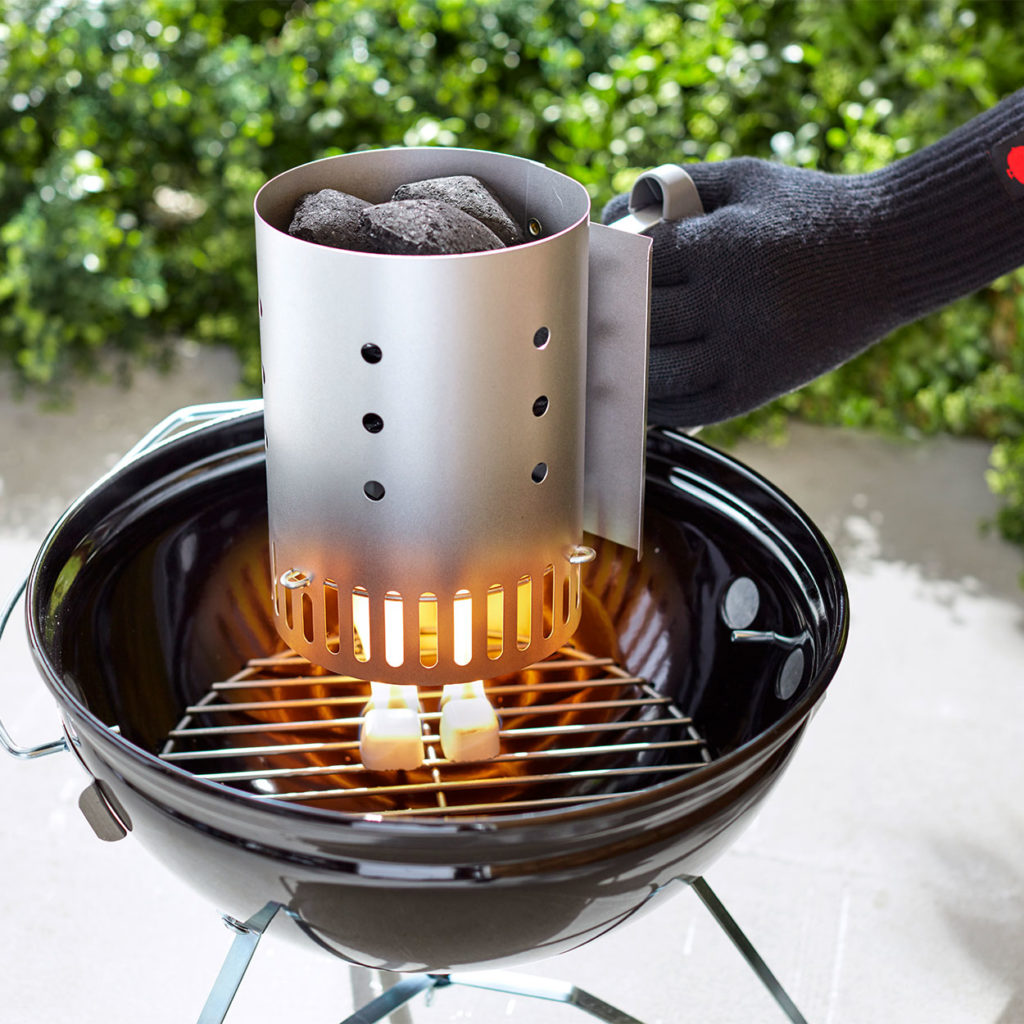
[575, 729]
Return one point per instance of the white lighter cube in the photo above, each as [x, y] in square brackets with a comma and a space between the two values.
[391, 737]
[469, 725]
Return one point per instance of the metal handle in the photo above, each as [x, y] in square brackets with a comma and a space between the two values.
[662, 193]
[183, 421]
[619, 313]
[186, 420]
[12, 748]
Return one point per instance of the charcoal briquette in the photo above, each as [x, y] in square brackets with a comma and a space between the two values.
[329, 217]
[471, 196]
[424, 227]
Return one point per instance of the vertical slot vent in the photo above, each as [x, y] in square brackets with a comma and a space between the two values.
[332, 631]
[361, 624]
[463, 624]
[524, 612]
[394, 625]
[495, 621]
[307, 617]
[428, 630]
[548, 594]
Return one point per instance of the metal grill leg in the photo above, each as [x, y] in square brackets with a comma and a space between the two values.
[542, 988]
[495, 981]
[746, 947]
[392, 999]
[247, 938]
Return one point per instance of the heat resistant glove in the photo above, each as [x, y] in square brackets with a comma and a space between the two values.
[791, 272]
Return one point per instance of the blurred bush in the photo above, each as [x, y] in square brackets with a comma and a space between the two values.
[134, 137]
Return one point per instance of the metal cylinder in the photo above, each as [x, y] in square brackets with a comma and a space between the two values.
[424, 428]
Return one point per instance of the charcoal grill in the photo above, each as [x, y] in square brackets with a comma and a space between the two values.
[634, 755]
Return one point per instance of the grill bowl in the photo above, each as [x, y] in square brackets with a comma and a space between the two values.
[151, 586]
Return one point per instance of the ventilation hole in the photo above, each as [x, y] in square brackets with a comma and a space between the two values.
[534, 227]
[374, 489]
[540, 471]
[360, 624]
[371, 353]
[541, 337]
[307, 618]
[524, 612]
[566, 600]
[495, 621]
[540, 406]
[289, 616]
[548, 615]
[259, 306]
[394, 624]
[263, 373]
[428, 630]
[332, 630]
[463, 623]
[373, 423]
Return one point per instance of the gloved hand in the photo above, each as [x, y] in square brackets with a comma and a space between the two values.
[773, 286]
[791, 272]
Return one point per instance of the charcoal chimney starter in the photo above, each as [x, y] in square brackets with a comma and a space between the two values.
[426, 425]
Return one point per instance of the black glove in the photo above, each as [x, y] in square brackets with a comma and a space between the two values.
[792, 272]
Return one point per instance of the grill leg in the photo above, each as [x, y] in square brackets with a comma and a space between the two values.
[495, 981]
[541, 988]
[247, 938]
[393, 999]
[746, 947]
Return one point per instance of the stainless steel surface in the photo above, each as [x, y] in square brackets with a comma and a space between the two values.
[618, 329]
[657, 739]
[98, 810]
[617, 337]
[445, 427]
[470, 489]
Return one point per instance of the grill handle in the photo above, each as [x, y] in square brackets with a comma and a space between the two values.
[183, 421]
[12, 748]
[188, 419]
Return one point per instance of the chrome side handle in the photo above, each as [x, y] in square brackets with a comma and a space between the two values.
[12, 748]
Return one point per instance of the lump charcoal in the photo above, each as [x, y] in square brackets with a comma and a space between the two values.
[329, 217]
[471, 196]
[424, 227]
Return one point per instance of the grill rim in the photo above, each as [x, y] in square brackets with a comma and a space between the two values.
[240, 441]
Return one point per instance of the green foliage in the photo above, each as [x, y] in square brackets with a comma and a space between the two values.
[135, 135]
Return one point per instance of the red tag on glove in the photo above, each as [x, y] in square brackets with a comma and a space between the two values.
[1008, 160]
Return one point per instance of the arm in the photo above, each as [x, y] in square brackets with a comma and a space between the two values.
[792, 272]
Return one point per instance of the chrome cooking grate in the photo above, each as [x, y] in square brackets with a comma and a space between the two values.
[575, 729]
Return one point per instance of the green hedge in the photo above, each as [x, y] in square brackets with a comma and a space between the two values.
[134, 136]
